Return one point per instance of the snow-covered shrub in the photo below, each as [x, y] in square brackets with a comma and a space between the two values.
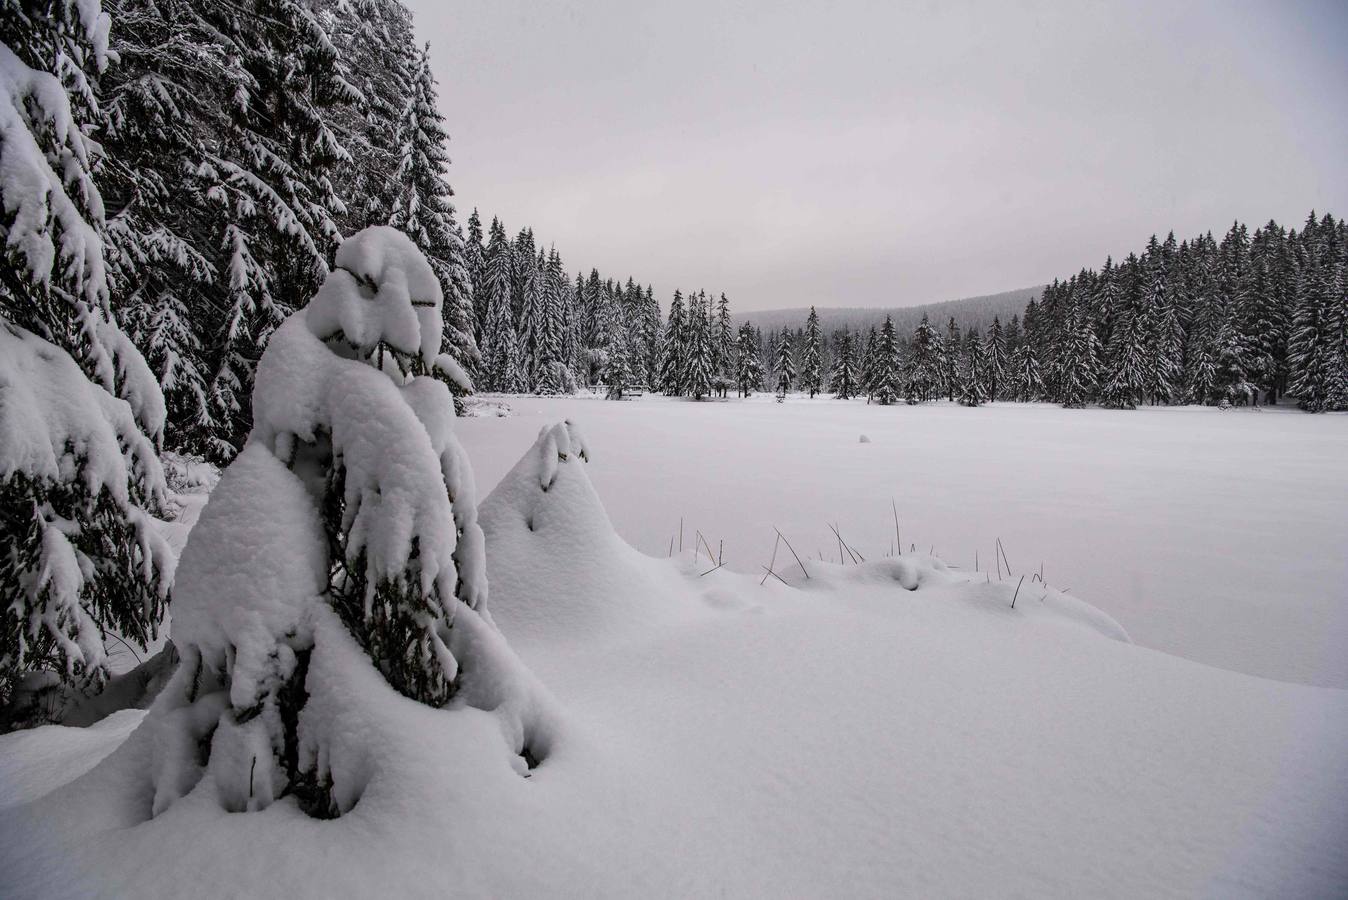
[352, 496]
[79, 555]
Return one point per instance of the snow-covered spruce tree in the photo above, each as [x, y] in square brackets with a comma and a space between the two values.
[784, 363]
[923, 376]
[375, 51]
[725, 339]
[947, 357]
[500, 351]
[1125, 381]
[974, 389]
[673, 365]
[886, 373]
[994, 346]
[616, 372]
[475, 261]
[844, 376]
[80, 412]
[1163, 362]
[1230, 386]
[81, 557]
[868, 364]
[157, 123]
[345, 528]
[1078, 363]
[532, 326]
[1027, 381]
[53, 281]
[811, 375]
[272, 203]
[423, 210]
[748, 363]
[701, 348]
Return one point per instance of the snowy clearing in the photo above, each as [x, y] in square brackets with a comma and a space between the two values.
[1218, 536]
[893, 728]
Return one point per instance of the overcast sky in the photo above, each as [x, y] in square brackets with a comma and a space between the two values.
[868, 154]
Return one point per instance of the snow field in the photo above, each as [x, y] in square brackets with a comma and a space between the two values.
[1218, 536]
[888, 729]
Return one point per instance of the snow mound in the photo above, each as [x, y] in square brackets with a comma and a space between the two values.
[557, 568]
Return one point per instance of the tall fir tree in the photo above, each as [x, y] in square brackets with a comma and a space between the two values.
[500, 357]
[701, 350]
[843, 378]
[811, 374]
[674, 364]
[924, 377]
[748, 364]
[785, 362]
[423, 209]
[886, 375]
[994, 348]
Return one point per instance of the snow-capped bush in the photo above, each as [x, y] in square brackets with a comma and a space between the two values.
[80, 553]
[351, 496]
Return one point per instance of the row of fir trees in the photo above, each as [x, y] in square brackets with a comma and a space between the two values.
[1254, 318]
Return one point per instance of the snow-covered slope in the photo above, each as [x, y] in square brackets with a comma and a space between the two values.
[887, 729]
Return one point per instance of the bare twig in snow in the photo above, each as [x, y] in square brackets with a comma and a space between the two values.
[792, 549]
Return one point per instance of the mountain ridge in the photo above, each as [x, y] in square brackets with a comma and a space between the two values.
[975, 311]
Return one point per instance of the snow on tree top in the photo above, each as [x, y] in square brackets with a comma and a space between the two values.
[382, 291]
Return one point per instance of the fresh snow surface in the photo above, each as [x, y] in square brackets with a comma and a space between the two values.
[887, 729]
[1219, 536]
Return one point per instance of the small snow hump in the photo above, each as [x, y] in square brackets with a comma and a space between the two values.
[865, 439]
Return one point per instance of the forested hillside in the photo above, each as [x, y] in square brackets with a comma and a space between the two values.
[977, 312]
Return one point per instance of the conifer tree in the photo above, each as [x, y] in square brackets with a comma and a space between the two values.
[749, 366]
[845, 373]
[923, 377]
[422, 208]
[1013, 336]
[1230, 386]
[500, 363]
[995, 350]
[81, 555]
[1126, 380]
[784, 364]
[811, 376]
[701, 350]
[616, 372]
[947, 357]
[974, 384]
[376, 53]
[1160, 333]
[725, 339]
[1316, 346]
[532, 326]
[475, 261]
[1078, 364]
[674, 366]
[1026, 376]
[868, 359]
[886, 375]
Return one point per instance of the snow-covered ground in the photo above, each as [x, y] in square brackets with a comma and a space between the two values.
[1218, 536]
[894, 728]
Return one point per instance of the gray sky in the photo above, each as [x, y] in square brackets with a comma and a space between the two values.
[867, 154]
